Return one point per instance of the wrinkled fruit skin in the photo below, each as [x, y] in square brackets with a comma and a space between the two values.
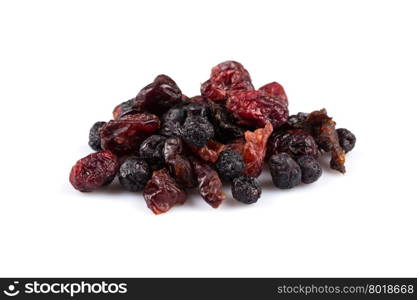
[226, 79]
[197, 131]
[225, 129]
[210, 152]
[310, 169]
[94, 171]
[347, 139]
[178, 164]
[254, 150]
[124, 109]
[125, 135]
[196, 110]
[285, 172]
[246, 189]
[172, 121]
[209, 183]
[151, 150]
[94, 139]
[257, 108]
[230, 165]
[134, 173]
[159, 96]
[295, 142]
[162, 192]
[323, 129]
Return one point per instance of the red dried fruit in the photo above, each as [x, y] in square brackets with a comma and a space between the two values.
[94, 171]
[226, 79]
[255, 149]
[162, 192]
[256, 108]
[237, 145]
[158, 96]
[209, 183]
[125, 135]
[179, 165]
[323, 129]
[295, 142]
[210, 152]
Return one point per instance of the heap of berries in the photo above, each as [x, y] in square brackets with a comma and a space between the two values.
[163, 143]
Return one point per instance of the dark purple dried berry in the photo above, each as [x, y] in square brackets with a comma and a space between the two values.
[172, 121]
[196, 110]
[197, 131]
[295, 121]
[295, 142]
[230, 164]
[225, 129]
[246, 189]
[285, 172]
[347, 139]
[94, 139]
[310, 169]
[134, 173]
[151, 150]
[159, 96]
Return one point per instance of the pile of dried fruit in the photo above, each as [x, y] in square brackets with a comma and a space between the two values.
[163, 142]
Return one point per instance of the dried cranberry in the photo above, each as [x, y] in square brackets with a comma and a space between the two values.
[295, 142]
[226, 79]
[159, 96]
[209, 183]
[94, 171]
[162, 192]
[255, 149]
[256, 108]
[179, 165]
[210, 152]
[125, 135]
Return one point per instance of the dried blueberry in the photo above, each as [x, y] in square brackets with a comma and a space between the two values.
[347, 139]
[285, 172]
[310, 169]
[151, 150]
[94, 139]
[230, 164]
[134, 173]
[197, 131]
[246, 189]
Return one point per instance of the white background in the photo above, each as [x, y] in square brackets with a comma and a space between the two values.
[66, 64]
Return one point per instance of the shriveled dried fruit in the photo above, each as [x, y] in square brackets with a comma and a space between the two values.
[237, 145]
[210, 152]
[172, 121]
[197, 131]
[209, 183]
[94, 139]
[230, 164]
[226, 79]
[179, 165]
[225, 129]
[255, 149]
[158, 96]
[124, 109]
[151, 150]
[246, 189]
[295, 142]
[295, 121]
[94, 171]
[125, 135]
[285, 172]
[162, 192]
[310, 169]
[134, 173]
[196, 110]
[257, 108]
[347, 139]
[323, 129]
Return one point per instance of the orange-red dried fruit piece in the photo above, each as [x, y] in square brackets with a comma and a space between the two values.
[255, 149]
[125, 135]
[94, 171]
[210, 152]
[257, 108]
[162, 192]
[209, 183]
[226, 79]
